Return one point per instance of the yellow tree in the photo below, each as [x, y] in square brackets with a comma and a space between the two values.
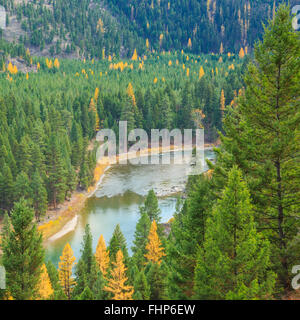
[190, 43]
[102, 256]
[134, 56]
[154, 250]
[221, 48]
[56, 63]
[222, 101]
[96, 95]
[67, 261]
[201, 72]
[45, 289]
[130, 93]
[147, 43]
[242, 53]
[100, 26]
[116, 284]
[93, 108]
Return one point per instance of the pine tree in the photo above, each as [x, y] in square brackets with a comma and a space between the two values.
[39, 195]
[187, 234]
[140, 239]
[151, 206]
[154, 250]
[128, 114]
[6, 188]
[56, 172]
[65, 267]
[234, 262]
[141, 287]
[116, 243]
[102, 256]
[261, 138]
[23, 253]
[116, 284]
[156, 277]
[45, 289]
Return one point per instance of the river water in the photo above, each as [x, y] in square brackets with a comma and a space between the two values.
[118, 198]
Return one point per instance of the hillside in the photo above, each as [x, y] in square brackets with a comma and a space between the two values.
[97, 28]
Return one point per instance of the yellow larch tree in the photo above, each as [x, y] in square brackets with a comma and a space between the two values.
[201, 72]
[130, 93]
[161, 37]
[100, 26]
[67, 261]
[45, 289]
[154, 250]
[96, 94]
[116, 284]
[93, 108]
[222, 101]
[134, 56]
[221, 48]
[27, 76]
[147, 43]
[242, 53]
[190, 43]
[102, 256]
[38, 66]
[187, 72]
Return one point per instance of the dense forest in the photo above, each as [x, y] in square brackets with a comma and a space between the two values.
[49, 117]
[236, 233]
[98, 28]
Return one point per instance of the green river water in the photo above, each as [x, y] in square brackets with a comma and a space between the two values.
[117, 199]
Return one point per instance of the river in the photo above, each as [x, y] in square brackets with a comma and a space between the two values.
[117, 200]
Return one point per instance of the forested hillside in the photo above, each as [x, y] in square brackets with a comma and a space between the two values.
[234, 234]
[49, 116]
[99, 28]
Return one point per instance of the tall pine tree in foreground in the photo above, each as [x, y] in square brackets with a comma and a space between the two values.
[23, 253]
[262, 138]
[234, 262]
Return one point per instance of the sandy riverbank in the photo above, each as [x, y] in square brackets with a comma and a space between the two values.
[64, 220]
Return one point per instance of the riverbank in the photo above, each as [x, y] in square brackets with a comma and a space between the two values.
[63, 220]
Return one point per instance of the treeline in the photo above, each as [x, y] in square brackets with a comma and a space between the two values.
[49, 117]
[101, 28]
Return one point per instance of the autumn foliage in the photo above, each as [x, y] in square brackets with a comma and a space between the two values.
[155, 251]
[116, 284]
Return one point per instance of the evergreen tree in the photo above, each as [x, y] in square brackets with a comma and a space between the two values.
[151, 206]
[56, 172]
[156, 276]
[234, 262]
[116, 243]
[140, 240]
[23, 253]
[39, 195]
[261, 138]
[141, 287]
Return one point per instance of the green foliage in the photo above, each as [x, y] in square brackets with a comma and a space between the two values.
[234, 261]
[23, 253]
[261, 137]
